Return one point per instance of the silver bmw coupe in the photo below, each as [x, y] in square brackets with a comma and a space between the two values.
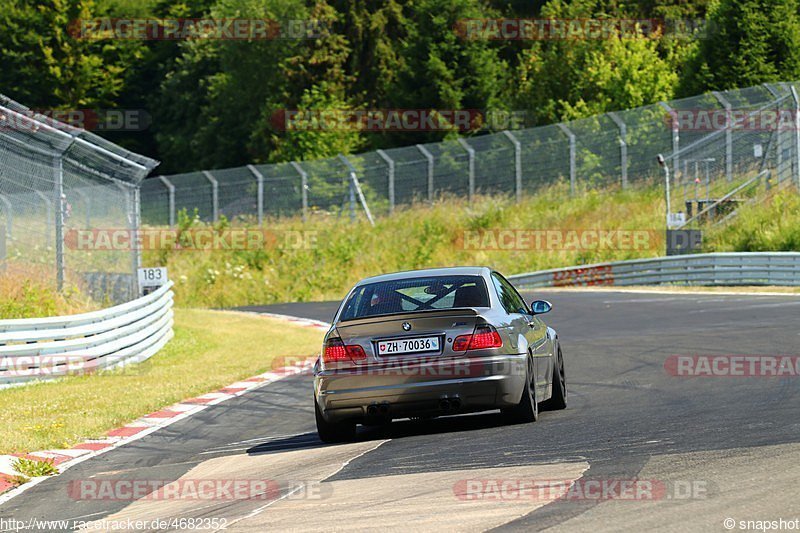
[435, 342]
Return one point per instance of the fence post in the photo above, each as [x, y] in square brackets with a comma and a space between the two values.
[171, 191]
[260, 195]
[572, 149]
[676, 139]
[471, 153]
[796, 134]
[9, 216]
[49, 206]
[390, 163]
[303, 188]
[137, 257]
[429, 157]
[214, 195]
[87, 202]
[355, 187]
[517, 164]
[728, 134]
[623, 148]
[778, 143]
[666, 188]
[59, 220]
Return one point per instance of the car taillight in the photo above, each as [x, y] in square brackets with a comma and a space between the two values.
[484, 336]
[356, 352]
[336, 352]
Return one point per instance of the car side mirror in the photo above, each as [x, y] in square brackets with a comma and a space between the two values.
[540, 307]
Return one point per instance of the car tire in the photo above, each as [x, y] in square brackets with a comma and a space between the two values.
[527, 410]
[559, 398]
[332, 432]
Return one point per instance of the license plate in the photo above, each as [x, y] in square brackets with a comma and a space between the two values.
[403, 346]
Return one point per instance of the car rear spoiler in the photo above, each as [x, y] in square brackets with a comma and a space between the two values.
[409, 315]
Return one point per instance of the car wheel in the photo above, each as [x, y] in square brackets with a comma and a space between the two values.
[333, 431]
[559, 398]
[527, 410]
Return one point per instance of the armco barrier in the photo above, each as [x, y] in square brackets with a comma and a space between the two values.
[46, 348]
[751, 268]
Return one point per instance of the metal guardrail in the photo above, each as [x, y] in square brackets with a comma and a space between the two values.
[46, 348]
[750, 268]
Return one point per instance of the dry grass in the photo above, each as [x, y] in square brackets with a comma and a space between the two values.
[421, 236]
[27, 291]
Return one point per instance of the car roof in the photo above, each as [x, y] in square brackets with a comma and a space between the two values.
[447, 271]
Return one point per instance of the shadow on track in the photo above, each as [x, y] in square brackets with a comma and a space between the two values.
[396, 430]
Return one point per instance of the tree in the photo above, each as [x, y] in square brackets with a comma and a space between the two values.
[573, 78]
[748, 42]
[44, 66]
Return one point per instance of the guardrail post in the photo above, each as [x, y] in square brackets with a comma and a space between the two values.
[260, 195]
[390, 165]
[171, 192]
[728, 134]
[796, 134]
[572, 151]
[471, 153]
[517, 164]
[9, 216]
[623, 148]
[676, 138]
[303, 187]
[214, 195]
[429, 157]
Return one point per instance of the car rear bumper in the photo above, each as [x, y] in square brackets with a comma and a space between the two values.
[429, 388]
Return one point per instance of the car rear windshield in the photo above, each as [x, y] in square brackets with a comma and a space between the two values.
[415, 294]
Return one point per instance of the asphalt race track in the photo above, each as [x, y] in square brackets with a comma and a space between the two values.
[713, 447]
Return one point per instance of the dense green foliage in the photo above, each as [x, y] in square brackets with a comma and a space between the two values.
[213, 101]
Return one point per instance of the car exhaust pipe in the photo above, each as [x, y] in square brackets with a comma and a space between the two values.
[444, 404]
[384, 407]
[455, 403]
[372, 410]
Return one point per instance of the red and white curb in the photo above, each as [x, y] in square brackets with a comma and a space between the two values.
[64, 459]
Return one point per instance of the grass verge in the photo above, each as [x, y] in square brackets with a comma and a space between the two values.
[211, 349]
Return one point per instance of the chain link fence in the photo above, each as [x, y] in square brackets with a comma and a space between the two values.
[57, 180]
[597, 152]
[756, 151]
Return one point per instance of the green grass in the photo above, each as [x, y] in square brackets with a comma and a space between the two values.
[770, 226]
[211, 349]
[414, 237]
[32, 468]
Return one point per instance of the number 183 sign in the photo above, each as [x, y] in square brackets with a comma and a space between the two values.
[151, 278]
